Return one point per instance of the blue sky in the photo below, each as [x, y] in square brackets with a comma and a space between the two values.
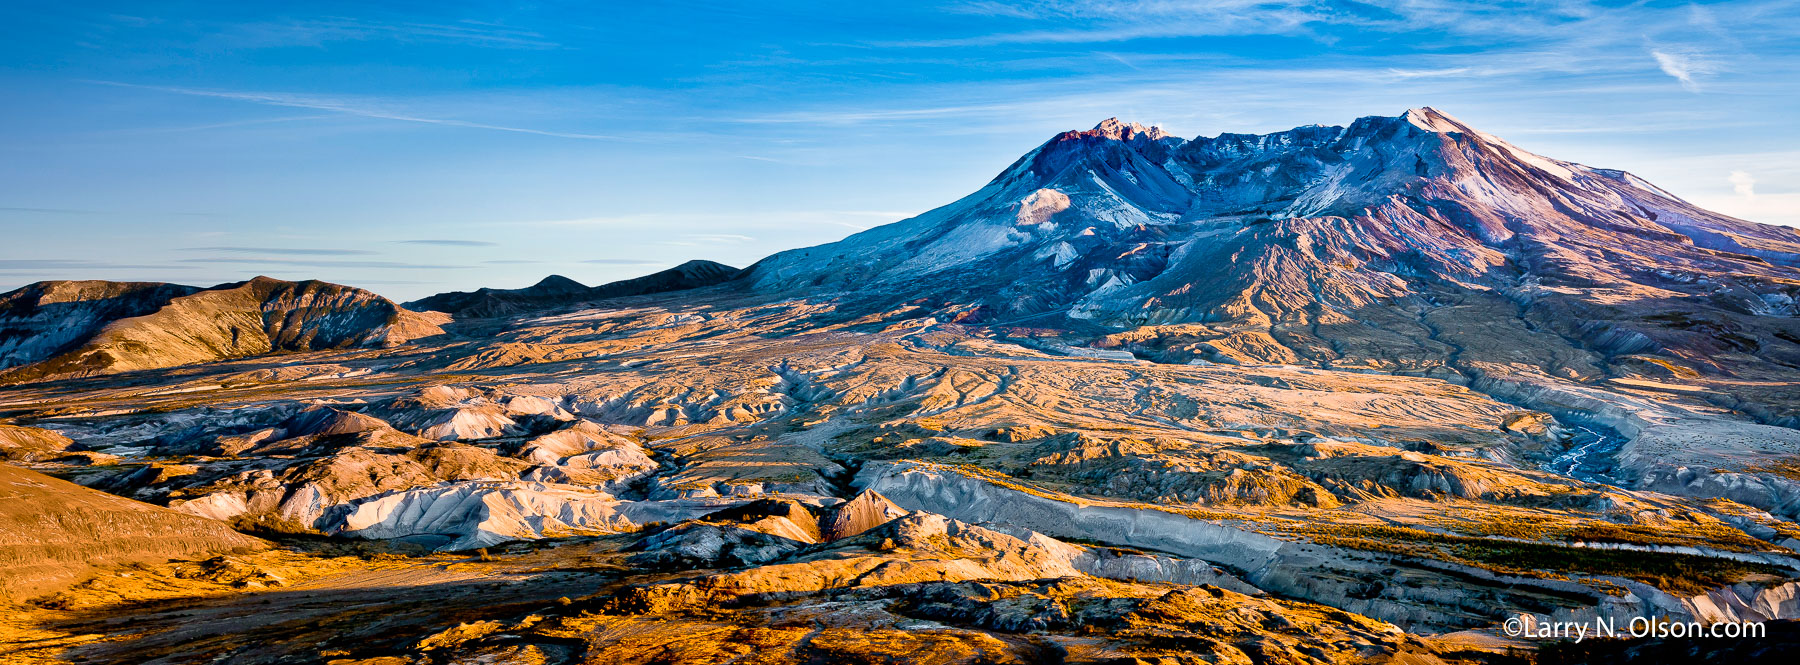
[412, 148]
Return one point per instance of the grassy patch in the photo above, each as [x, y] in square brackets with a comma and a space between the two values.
[1787, 468]
[1697, 531]
[1678, 574]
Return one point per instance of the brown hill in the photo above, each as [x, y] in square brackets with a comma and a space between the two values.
[54, 533]
[44, 319]
[259, 316]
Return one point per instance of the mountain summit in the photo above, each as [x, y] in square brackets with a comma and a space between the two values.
[1112, 128]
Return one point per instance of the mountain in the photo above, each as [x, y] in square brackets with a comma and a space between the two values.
[557, 291]
[123, 327]
[1354, 394]
[488, 303]
[1411, 244]
[48, 318]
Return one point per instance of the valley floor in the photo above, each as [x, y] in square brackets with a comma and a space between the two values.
[717, 483]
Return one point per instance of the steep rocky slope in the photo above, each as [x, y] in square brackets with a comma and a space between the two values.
[250, 318]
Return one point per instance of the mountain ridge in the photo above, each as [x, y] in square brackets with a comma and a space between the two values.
[231, 320]
[556, 290]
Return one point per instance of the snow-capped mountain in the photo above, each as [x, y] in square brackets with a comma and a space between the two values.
[1126, 223]
[1332, 245]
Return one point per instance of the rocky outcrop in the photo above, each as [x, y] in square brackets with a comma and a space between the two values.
[588, 454]
[30, 444]
[694, 545]
[867, 510]
[468, 515]
[307, 494]
[916, 548]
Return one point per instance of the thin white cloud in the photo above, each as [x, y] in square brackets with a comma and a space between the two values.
[1428, 73]
[721, 237]
[1683, 67]
[352, 108]
[1116, 58]
[320, 263]
[862, 115]
[323, 30]
[230, 124]
[296, 251]
[1743, 184]
[449, 242]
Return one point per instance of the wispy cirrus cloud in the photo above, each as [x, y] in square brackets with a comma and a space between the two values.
[296, 251]
[321, 263]
[1429, 73]
[1103, 21]
[720, 237]
[362, 108]
[446, 242]
[18, 265]
[1684, 67]
[52, 211]
[621, 262]
[84, 211]
[318, 31]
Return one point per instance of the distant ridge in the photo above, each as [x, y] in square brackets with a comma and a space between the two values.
[557, 291]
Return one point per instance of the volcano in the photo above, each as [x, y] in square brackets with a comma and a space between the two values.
[1412, 244]
[1333, 394]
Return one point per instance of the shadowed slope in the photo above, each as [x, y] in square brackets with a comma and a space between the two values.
[557, 291]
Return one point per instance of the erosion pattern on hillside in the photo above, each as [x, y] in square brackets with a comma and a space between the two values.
[1335, 394]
